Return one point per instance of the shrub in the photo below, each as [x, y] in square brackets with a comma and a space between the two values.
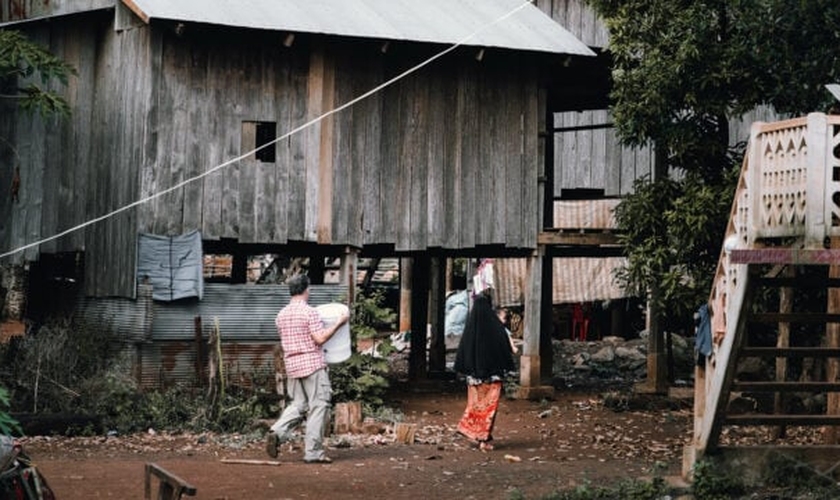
[364, 377]
[45, 369]
[361, 378]
[370, 315]
[623, 490]
[8, 425]
[713, 483]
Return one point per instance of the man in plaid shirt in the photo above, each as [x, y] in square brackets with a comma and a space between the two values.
[301, 334]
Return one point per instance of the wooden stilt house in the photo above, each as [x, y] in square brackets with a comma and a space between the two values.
[177, 105]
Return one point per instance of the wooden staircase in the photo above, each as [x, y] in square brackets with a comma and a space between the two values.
[776, 296]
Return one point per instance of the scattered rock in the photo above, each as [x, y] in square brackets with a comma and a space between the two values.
[605, 355]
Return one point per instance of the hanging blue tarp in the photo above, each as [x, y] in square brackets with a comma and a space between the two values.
[172, 264]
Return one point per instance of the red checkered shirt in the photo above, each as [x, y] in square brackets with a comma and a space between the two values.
[295, 324]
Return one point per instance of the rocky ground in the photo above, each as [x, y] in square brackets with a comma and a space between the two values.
[594, 432]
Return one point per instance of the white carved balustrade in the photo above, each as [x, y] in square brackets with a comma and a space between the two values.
[788, 194]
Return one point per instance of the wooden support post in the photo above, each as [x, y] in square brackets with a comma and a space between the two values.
[349, 267]
[239, 267]
[406, 265]
[783, 340]
[832, 337]
[317, 269]
[657, 368]
[657, 363]
[437, 302]
[198, 337]
[547, 319]
[690, 451]
[529, 368]
[417, 365]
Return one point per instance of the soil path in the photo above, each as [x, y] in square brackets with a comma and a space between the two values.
[540, 447]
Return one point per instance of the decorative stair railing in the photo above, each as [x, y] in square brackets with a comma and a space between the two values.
[786, 212]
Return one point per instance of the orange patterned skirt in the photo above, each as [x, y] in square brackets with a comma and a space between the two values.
[482, 403]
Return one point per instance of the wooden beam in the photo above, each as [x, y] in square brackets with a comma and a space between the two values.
[417, 365]
[783, 342]
[790, 352]
[798, 282]
[136, 9]
[437, 312]
[564, 237]
[832, 340]
[767, 419]
[325, 172]
[766, 386]
[719, 381]
[406, 265]
[816, 256]
[349, 268]
[800, 318]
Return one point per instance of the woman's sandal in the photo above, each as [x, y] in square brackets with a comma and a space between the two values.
[485, 446]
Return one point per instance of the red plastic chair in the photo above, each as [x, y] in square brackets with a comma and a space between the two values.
[580, 323]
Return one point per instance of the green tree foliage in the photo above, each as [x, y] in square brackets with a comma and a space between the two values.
[8, 425]
[27, 70]
[681, 70]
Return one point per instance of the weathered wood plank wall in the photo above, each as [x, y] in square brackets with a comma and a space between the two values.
[79, 168]
[122, 92]
[404, 167]
[591, 159]
[594, 159]
[447, 157]
[17, 10]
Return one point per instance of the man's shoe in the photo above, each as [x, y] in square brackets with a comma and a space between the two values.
[321, 460]
[272, 442]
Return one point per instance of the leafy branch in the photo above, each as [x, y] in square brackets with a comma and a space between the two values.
[8, 425]
[22, 60]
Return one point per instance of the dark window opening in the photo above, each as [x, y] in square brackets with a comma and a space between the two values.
[258, 134]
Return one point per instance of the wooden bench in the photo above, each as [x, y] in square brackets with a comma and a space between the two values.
[171, 487]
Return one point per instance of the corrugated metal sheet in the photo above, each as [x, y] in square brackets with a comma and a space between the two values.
[160, 336]
[576, 279]
[164, 364]
[245, 312]
[128, 320]
[585, 214]
[433, 21]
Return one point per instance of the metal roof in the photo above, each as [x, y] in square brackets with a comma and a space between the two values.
[432, 21]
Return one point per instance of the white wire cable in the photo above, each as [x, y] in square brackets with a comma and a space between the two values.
[292, 132]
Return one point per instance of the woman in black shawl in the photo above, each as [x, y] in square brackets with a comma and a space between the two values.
[484, 356]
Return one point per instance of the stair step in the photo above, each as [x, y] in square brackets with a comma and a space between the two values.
[767, 419]
[790, 352]
[792, 386]
[799, 281]
[798, 317]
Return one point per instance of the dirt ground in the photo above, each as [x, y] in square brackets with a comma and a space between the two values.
[540, 447]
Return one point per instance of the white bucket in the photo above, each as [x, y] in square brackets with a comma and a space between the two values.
[338, 348]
